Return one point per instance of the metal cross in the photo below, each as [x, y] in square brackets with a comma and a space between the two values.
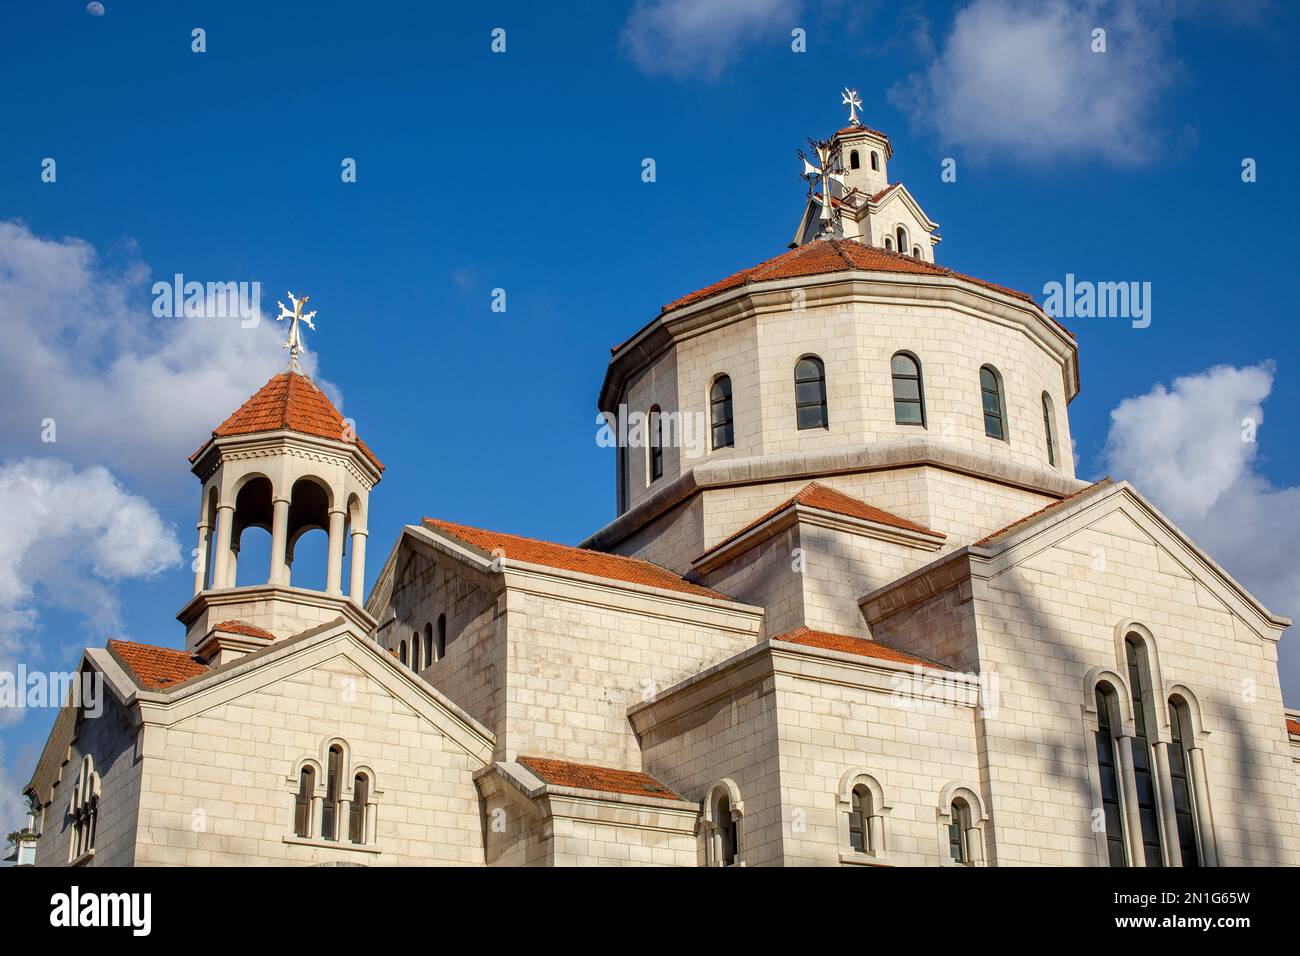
[852, 101]
[294, 342]
[827, 171]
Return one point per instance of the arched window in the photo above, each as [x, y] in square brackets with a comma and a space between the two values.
[1143, 774]
[1108, 771]
[728, 832]
[855, 162]
[357, 812]
[429, 656]
[722, 812]
[859, 814]
[810, 393]
[1048, 432]
[83, 808]
[959, 832]
[724, 435]
[442, 636]
[656, 443]
[889, 244]
[909, 397]
[415, 651]
[1180, 777]
[875, 160]
[329, 815]
[916, 252]
[994, 409]
[401, 652]
[901, 233]
[302, 802]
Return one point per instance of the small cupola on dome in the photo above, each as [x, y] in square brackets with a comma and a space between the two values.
[288, 462]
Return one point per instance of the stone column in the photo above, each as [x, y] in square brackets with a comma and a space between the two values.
[343, 821]
[974, 846]
[317, 818]
[372, 811]
[358, 570]
[279, 541]
[334, 570]
[1201, 794]
[1168, 818]
[222, 576]
[1136, 853]
[876, 835]
[201, 565]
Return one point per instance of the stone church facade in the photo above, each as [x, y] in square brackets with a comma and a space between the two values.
[870, 618]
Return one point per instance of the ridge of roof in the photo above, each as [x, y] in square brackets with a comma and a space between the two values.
[565, 557]
[1034, 515]
[819, 496]
[581, 776]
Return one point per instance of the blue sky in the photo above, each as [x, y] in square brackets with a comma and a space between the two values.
[521, 170]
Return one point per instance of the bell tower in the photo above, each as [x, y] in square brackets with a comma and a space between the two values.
[286, 461]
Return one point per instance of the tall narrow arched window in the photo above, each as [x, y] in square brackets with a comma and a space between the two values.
[720, 418]
[1049, 433]
[655, 420]
[415, 651]
[916, 252]
[994, 407]
[442, 636]
[855, 161]
[302, 802]
[1143, 774]
[83, 808]
[1180, 777]
[810, 393]
[728, 831]
[429, 655]
[889, 244]
[859, 814]
[357, 811]
[1108, 771]
[901, 233]
[875, 160]
[958, 833]
[909, 396]
[401, 653]
[329, 814]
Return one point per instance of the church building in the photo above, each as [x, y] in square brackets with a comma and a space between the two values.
[870, 617]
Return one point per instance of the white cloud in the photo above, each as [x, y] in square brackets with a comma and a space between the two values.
[125, 389]
[1183, 448]
[68, 537]
[1020, 79]
[13, 807]
[688, 38]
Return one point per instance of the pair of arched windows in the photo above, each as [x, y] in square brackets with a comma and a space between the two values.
[311, 807]
[426, 648]
[855, 161]
[1152, 791]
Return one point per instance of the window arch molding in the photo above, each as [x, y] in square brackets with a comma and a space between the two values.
[722, 412]
[817, 403]
[877, 845]
[950, 794]
[1195, 715]
[1181, 698]
[712, 827]
[899, 377]
[1107, 675]
[347, 775]
[1157, 719]
[369, 813]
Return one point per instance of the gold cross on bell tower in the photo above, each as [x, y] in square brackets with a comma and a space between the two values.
[294, 342]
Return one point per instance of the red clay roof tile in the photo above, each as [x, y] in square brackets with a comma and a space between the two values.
[612, 566]
[156, 668]
[854, 645]
[290, 401]
[817, 495]
[1293, 726]
[242, 627]
[580, 776]
[1041, 511]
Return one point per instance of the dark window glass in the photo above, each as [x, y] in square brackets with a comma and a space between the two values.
[415, 651]
[810, 393]
[302, 803]
[957, 834]
[428, 646]
[909, 405]
[357, 812]
[1106, 768]
[854, 161]
[1184, 811]
[1142, 772]
[328, 827]
[724, 435]
[875, 161]
[857, 823]
[1047, 429]
[656, 444]
[902, 240]
[991, 397]
[401, 652]
[442, 636]
[730, 832]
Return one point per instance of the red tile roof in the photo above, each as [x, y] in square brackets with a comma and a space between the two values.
[1041, 511]
[242, 627]
[862, 129]
[156, 668]
[290, 401]
[1293, 726]
[581, 776]
[832, 255]
[598, 563]
[817, 495]
[854, 645]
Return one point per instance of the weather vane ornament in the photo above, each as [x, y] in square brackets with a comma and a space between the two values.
[294, 342]
[854, 103]
[820, 177]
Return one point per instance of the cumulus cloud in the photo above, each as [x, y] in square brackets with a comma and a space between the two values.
[124, 389]
[1019, 78]
[1186, 449]
[689, 38]
[13, 807]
